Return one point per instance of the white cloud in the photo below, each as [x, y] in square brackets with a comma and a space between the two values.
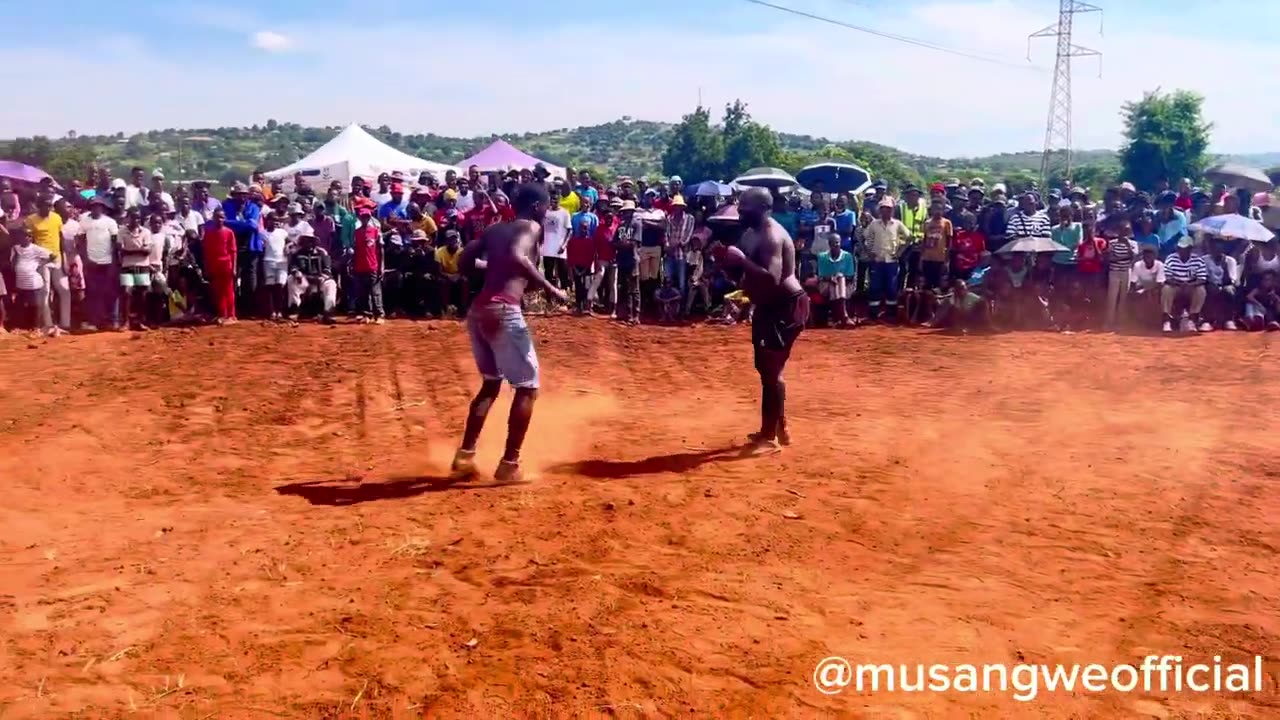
[796, 74]
[273, 42]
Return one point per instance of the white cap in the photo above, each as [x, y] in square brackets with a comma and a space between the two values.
[117, 183]
[157, 173]
[999, 187]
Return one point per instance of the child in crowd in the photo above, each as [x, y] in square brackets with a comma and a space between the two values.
[668, 298]
[580, 255]
[969, 244]
[1262, 304]
[275, 265]
[28, 261]
[962, 310]
[135, 267]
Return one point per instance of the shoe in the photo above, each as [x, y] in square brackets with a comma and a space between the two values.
[87, 328]
[1229, 325]
[1187, 326]
[1205, 327]
[508, 472]
[784, 437]
[1168, 327]
[464, 463]
[379, 321]
[1273, 326]
[760, 447]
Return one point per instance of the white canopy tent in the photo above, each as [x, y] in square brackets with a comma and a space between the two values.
[354, 152]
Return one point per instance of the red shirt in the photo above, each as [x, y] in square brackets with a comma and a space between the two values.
[368, 241]
[1089, 255]
[581, 251]
[663, 204]
[1184, 202]
[219, 246]
[605, 251]
[968, 246]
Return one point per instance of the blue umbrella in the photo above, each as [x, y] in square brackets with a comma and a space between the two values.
[836, 177]
[711, 188]
[1233, 227]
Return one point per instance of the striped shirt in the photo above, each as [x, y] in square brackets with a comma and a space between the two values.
[1121, 254]
[1179, 271]
[1022, 225]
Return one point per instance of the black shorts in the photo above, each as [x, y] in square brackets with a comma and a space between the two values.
[774, 327]
[933, 270]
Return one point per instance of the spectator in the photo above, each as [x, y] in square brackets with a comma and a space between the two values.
[135, 193]
[29, 261]
[555, 242]
[158, 193]
[135, 268]
[651, 232]
[937, 245]
[1067, 233]
[1222, 293]
[626, 242]
[885, 238]
[1185, 277]
[1262, 304]
[1120, 256]
[311, 276]
[846, 222]
[1259, 259]
[452, 283]
[668, 299]
[44, 228]
[970, 246]
[679, 231]
[275, 262]
[1147, 281]
[835, 273]
[220, 262]
[367, 268]
[962, 311]
[580, 255]
[295, 226]
[604, 288]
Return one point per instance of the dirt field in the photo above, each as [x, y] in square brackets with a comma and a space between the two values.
[249, 522]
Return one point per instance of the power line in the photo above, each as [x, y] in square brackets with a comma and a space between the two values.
[898, 38]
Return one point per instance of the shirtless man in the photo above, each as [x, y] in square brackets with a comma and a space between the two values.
[766, 256]
[500, 337]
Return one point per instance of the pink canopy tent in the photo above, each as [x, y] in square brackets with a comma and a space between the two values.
[501, 156]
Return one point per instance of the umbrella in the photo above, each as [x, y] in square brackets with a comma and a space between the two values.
[711, 188]
[25, 173]
[1031, 245]
[836, 177]
[1241, 176]
[766, 177]
[1233, 227]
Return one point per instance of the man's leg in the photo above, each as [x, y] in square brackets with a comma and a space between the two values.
[329, 296]
[62, 288]
[875, 289]
[890, 286]
[769, 364]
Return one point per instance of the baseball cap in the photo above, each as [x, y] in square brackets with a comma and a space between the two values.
[295, 209]
[418, 235]
[1128, 186]
[999, 188]
[938, 188]
[676, 178]
[977, 182]
[117, 184]
[1185, 242]
[869, 192]
[881, 184]
[157, 173]
[628, 205]
[450, 194]
[397, 188]
[886, 203]
[364, 210]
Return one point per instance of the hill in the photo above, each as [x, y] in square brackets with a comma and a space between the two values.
[622, 147]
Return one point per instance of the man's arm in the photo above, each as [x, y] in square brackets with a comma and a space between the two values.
[770, 253]
[471, 253]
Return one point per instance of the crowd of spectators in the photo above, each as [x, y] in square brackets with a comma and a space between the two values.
[116, 253]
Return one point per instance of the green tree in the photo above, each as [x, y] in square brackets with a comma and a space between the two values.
[70, 162]
[271, 125]
[1165, 138]
[747, 143]
[695, 150]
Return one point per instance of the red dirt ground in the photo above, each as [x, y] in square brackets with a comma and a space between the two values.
[242, 523]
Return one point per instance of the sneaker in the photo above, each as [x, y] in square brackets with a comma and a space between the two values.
[87, 328]
[1273, 326]
[1187, 326]
[508, 472]
[1205, 327]
[379, 321]
[1168, 327]
[1230, 325]
[757, 445]
[464, 463]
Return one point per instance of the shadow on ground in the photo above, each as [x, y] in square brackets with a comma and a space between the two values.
[354, 492]
[669, 463]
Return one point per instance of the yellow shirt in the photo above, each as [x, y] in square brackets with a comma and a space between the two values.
[885, 239]
[47, 233]
[426, 225]
[448, 261]
[571, 202]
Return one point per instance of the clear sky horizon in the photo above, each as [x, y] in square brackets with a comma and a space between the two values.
[507, 66]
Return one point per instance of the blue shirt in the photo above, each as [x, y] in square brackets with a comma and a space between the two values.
[590, 194]
[389, 209]
[589, 218]
[244, 219]
[788, 221]
[829, 268]
[1170, 231]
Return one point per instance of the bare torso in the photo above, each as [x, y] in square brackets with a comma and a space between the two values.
[507, 248]
[774, 250]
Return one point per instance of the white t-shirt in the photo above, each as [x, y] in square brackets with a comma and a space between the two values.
[26, 265]
[176, 236]
[555, 233]
[1147, 276]
[97, 238]
[380, 198]
[191, 222]
[158, 240]
[296, 231]
[167, 199]
[273, 248]
[135, 196]
[467, 202]
[70, 231]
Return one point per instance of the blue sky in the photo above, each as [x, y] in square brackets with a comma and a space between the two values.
[481, 66]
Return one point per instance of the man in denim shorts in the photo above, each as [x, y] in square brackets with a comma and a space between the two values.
[500, 338]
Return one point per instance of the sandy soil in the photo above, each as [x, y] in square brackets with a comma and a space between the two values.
[248, 522]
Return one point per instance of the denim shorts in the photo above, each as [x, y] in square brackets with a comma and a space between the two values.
[502, 345]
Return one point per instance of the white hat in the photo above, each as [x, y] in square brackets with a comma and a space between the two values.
[157, 173]
[117, 183]
[999, 188]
